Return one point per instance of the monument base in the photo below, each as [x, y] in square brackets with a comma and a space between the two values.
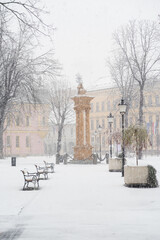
[86, 161]
[83, 152]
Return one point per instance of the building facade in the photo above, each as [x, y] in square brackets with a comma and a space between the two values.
[29, 133]
[27, 128]
[107, 100]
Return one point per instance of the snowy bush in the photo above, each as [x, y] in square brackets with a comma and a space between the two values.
[152, 180]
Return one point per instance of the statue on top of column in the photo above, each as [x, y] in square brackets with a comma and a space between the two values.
[80, 88]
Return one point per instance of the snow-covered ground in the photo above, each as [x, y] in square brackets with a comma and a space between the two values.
[77, 202]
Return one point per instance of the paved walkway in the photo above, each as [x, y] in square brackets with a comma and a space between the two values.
[86, 202]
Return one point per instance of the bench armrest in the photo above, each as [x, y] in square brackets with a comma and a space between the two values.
[31, 174]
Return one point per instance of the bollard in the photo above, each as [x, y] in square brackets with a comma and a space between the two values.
[107, 158]
[65, 158]
[13, 161]
[94, 158]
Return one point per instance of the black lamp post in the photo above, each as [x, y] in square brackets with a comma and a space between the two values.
[110, 121]
[122, 108]
[95, 135]
[100, 150]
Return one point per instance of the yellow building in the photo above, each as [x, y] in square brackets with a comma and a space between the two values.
[107, 100]
[26, 129]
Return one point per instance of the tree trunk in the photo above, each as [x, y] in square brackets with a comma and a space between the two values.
[126, 117]
[137, 158]
[137, 155]
[1, 142]
[59, 139]
[116, 149]
[141, 103]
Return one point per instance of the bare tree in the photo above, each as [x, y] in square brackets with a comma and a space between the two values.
[20, 71]
[26, 12]
[62, 109]
[117, 138]
[139, 44]
[123, 78]
[137, 138]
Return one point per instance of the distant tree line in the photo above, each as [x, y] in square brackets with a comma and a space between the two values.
[135, 61]
[22, 68]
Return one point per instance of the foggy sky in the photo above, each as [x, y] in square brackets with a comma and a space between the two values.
[84, 31]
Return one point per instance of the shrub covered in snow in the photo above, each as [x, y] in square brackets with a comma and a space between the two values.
[152, 179]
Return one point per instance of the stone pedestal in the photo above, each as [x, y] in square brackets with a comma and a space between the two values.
[135, 175]
[140, 176]
[83, 149]
[82, 152]
[115, 165]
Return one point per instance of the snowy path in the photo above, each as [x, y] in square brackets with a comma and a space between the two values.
[83, 202]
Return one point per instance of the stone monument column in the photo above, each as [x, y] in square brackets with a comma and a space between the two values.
[83, 149]
[77, 124]
[87, 126]
[81, 128]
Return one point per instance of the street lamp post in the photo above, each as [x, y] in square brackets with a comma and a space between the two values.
[122, 108]
[100, 150]
[95, 147]
[110, 121]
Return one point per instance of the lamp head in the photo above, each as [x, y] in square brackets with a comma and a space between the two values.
[99, 128]
[95, 133]
[122, 107]
[110, 118]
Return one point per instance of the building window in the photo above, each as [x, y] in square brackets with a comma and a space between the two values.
[114, 105]
[103, 141]
[17, 121]
[150, 101]
[150, 119]
[97, 107]
[157, 100]
[91, 107]
[9, 121]
[8, 141]
[92, 140]
[157, 119]
[108, 106]
[103, 123]
[157, 125]
[27, 141]
[150, 124]
[102, 106]
[92, 124]
[17, 141]
[43, 121]
[97, 124]
[27, 121]
[114, 123]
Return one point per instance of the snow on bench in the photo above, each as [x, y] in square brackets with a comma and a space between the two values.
[42, 171]
[49, 167]
[30, 178]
